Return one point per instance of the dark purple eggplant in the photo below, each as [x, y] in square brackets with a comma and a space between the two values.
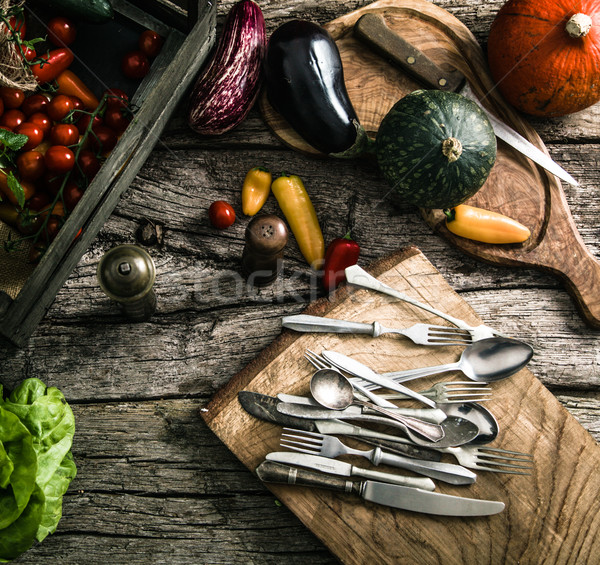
[228, 87]
[305, 84]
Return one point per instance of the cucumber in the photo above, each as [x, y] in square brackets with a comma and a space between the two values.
[92, 11]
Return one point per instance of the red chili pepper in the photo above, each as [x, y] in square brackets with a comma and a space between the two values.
[56, 62]
[342, 252]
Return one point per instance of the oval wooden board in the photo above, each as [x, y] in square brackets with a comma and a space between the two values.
[516, 186]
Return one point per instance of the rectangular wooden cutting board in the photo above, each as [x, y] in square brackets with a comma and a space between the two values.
[551, 516]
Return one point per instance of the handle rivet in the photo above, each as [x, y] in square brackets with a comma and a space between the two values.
[411, 60]
[442, 82]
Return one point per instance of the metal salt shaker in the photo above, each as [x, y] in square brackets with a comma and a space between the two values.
[262, 259]
[126, 274]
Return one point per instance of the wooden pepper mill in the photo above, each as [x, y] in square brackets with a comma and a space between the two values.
[262, 259]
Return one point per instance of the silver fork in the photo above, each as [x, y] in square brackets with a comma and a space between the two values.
[421, 334]
[456, 392]
[490, 459]
[331, 447]
[359, 277]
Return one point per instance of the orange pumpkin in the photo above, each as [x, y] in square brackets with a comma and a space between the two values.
[544, 55]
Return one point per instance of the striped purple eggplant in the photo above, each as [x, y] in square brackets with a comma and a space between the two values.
[228, 87]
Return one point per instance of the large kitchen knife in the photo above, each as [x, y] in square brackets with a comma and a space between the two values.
[343, 469]
[373, 31]
[265, 407]
[394, 496]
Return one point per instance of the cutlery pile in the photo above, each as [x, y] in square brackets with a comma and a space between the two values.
[411, 439]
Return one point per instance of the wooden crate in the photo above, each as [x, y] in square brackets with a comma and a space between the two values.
[189, 37]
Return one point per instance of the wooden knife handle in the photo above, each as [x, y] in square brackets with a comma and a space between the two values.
[272, 472]
[372, 30]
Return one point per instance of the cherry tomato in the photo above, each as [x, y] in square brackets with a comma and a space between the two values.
[72, 195]
[33, 132]
[34, 103]
[61, 31]
[52, 182]
[150, 43]
[31, 165]
[135, 65]
[64, 134]
[59, 107]
[42, 121]
[59, 159]
[28, 53]
[221, 214]
[88, 164]
[1, 106]
[117, 118]
[84, 121]
[12, 119]
[52, 227]
[39, 201]
[18, 24]
[116, 97]
[103, 138]
[77, 103]
[12, 97]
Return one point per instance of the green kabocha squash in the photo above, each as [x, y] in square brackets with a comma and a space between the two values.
[435, 148]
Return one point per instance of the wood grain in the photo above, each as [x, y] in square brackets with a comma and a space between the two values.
[544, 510]
[516, 187]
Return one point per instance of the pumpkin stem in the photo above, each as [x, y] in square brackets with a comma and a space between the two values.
[452, 149]
[579, 25]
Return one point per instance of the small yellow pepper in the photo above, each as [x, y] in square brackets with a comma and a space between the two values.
[301, 217]
[255, 190]
[485, 226]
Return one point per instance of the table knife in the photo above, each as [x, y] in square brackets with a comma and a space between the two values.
[373, 31]
[265, 407]
[433, 415]
[394, 496]
[343, 469]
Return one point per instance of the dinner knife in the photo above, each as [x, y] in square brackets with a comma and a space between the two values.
[265, 407]
[394, 496]
[343, 469]
[373, 31]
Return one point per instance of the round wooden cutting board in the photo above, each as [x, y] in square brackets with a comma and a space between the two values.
[516, 187]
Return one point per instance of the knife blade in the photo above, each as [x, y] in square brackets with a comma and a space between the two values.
[394, 496]
[358, 369]
[343, 469]
[373, 31]
[265, 407]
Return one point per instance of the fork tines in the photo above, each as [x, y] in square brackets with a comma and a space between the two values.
[503, 461]
[467, 391]
[309, 439]
[448, 336]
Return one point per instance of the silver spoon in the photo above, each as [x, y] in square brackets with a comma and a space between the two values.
[486, 361]
[333, 390]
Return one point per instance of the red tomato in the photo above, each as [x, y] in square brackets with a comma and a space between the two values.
[42, 121]
[33, 132]
[88, 164]
[77, 103]
[221, 214]
[28, 53]
[135, 65]
[61, 31]
[12, 118]
[12, 97]
[53, 182]
[1, 106]
[84, 121]
[117, 118]
[52, 227]
[39, 201]
[59, 107]
[150, 43]
[103, 138]
[116, 97]
[71, 195]
[18, 24]
[64, 134]
[34, 103]
[31, 165]
[59, 159]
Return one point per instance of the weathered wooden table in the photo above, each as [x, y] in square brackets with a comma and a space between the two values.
[154, 484]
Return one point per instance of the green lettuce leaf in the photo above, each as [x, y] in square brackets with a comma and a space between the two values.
[17, 444]
[20, 535]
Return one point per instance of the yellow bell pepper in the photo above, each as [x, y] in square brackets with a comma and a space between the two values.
[301, 217]
[255, 190]
[485, 226]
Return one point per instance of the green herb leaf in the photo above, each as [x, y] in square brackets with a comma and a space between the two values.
[12, 140]
[16, 188]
